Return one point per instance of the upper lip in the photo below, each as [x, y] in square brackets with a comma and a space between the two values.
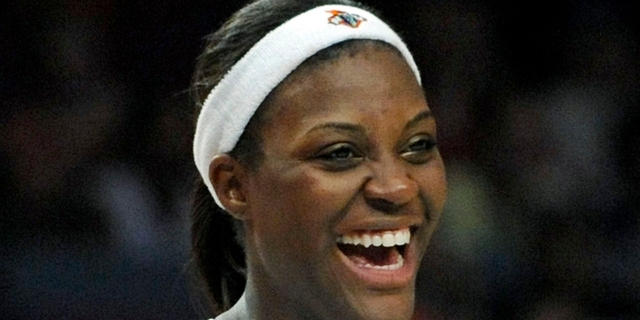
[379, 225]
[386, 238]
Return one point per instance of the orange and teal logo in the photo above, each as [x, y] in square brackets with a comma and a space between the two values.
[345, 18]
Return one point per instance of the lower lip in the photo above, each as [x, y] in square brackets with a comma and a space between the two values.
[381, 279]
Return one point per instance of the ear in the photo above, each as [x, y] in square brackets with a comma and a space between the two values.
[227, 176]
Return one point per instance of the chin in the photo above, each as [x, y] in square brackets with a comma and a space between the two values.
[387, 306]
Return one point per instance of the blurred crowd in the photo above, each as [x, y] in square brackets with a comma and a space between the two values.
[537, 108]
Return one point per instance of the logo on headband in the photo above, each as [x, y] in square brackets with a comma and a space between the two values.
[348, 19]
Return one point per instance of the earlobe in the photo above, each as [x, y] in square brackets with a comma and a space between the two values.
[227, 175]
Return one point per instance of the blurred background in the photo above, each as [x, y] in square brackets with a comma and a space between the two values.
[537, 107]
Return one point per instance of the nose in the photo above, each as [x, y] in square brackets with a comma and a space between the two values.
[390, 186]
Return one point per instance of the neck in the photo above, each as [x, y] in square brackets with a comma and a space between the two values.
[257, 306]
[263, 305]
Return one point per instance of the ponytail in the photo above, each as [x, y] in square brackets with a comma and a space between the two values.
[216, 251]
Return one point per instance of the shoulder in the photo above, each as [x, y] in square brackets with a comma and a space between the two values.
[237, 312]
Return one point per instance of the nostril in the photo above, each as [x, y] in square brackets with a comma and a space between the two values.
[383, 205]
[390, 194]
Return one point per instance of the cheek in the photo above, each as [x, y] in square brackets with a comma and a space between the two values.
[442, 183]
[298, 209]
[434, 187]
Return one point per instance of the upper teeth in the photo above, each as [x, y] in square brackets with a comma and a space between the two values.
[378, 238]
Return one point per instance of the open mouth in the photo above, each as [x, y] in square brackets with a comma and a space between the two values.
[382, 250]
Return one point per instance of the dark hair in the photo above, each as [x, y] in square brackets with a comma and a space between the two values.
[217, 238]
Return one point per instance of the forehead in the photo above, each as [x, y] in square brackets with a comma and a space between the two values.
[369, 78]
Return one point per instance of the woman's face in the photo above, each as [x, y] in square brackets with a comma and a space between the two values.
[350, 162]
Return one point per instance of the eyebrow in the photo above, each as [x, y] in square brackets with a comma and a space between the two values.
[353, 128]
[339, 126]
[426, 114]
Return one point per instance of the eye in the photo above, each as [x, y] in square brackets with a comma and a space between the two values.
[340, 156]
[419, 149]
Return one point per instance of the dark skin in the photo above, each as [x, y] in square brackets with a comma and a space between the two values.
[349, 146]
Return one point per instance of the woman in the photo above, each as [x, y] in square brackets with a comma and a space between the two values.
[316, 143]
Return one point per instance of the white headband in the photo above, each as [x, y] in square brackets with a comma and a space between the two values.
[231, 104]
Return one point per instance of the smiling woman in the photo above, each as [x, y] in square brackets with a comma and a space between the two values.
[316, 143]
